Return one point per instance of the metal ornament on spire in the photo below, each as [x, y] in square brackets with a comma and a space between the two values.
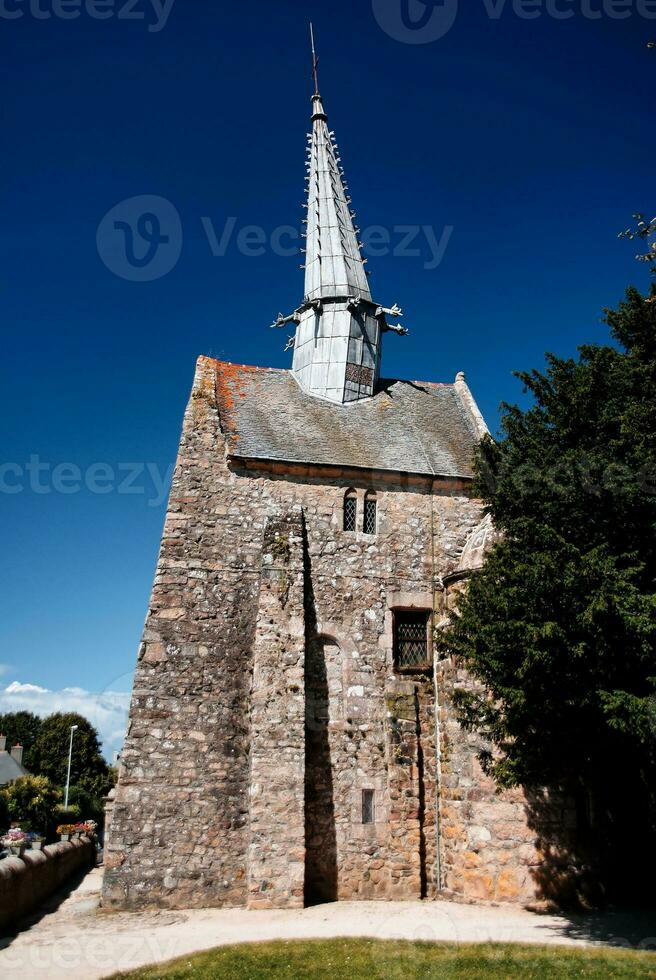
[339, 327]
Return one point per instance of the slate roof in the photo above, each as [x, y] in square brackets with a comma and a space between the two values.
[407, 426]
[10, 769]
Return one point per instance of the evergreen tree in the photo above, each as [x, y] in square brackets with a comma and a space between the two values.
[88, 768]
[560, 625]
[21, 728]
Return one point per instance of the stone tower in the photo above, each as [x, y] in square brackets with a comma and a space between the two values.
[291, 735]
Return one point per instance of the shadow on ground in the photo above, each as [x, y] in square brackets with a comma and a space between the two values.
[620, 927]
[51, 905]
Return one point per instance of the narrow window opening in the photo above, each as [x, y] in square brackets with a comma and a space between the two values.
[350, 511]
[370, 513]
[411, 646]
[368, 806]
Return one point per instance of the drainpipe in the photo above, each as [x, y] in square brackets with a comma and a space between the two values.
[438, 747]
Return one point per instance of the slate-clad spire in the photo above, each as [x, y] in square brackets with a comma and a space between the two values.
[337, 346]
[334, 265]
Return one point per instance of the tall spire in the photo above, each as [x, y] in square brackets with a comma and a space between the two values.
[334, 265]
[337, 347]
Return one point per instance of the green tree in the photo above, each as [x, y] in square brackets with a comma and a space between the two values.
[560, 625]
[88, 767]
[90, 805]
[21, 728]
[32, 802]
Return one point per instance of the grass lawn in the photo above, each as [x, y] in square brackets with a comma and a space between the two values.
[352, 959]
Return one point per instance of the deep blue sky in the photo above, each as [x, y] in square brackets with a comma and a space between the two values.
[534, 139]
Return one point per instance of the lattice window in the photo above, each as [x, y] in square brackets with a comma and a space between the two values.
[370, 513]
[368, 806]
[350, 511]
[359, 375]
[411, 649]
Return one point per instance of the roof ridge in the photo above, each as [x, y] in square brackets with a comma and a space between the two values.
[273, 370]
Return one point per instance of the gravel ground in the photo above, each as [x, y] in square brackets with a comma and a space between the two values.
[72, 940]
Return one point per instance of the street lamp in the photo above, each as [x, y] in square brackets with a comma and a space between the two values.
[68, 774]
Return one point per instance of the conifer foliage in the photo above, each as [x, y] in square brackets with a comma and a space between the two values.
[560, 625]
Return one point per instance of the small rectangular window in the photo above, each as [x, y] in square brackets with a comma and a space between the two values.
[411, 647]
[350, 512]
[368, 806]
[370, 515]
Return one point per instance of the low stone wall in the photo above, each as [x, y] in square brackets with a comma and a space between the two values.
[25, 883]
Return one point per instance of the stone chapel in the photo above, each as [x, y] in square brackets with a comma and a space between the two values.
[291, 736]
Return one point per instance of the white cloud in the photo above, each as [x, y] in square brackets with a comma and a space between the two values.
[16, 688]
[107, 711]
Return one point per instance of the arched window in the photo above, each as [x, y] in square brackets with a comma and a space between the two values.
[350, 510]
[370, 513]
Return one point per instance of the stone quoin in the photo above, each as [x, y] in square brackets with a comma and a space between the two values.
[291, 736]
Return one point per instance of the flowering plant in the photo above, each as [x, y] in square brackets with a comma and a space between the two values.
[15, 836]
[31, 836]
[66, 828]
[86, 827]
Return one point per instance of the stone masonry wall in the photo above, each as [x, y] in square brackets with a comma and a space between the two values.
[27, 882]
[488, 849]
[276, 859]
[496, 846]
[411, 785]
[179, 830]
[259, 717]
